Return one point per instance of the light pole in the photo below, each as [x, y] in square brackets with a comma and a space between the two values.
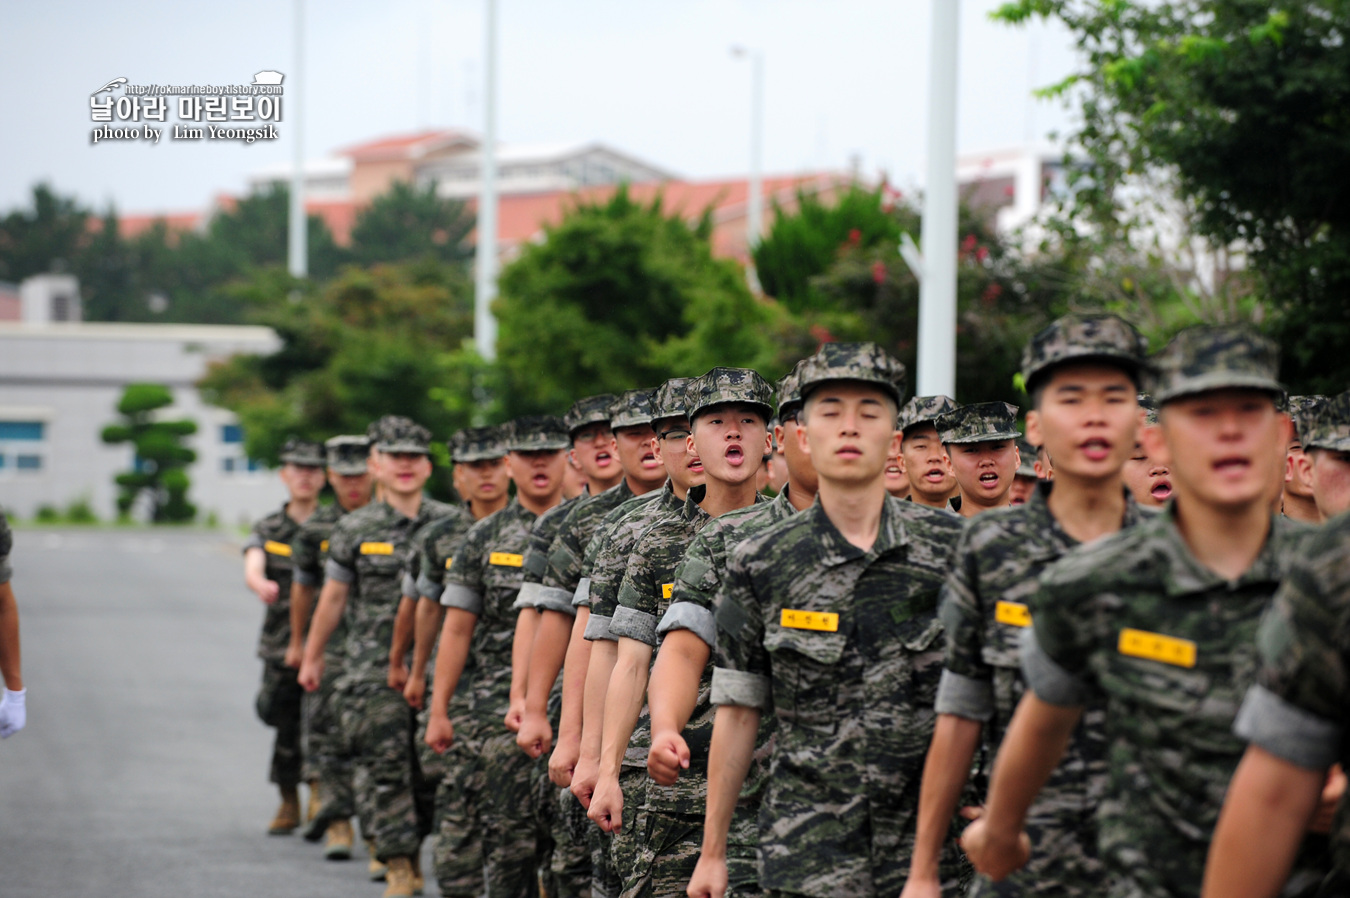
[754, 225]
[485, 255]
[297, 261]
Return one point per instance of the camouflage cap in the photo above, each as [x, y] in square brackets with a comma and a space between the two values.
[723, 385]
[1327, 424]
[632, 409]
[348, 454]
[924, 410]
[296, 451]
[1214, 357]
[477, 444]
[983, 422]
[1150, 408]
[535, 433]
[1302, 409]
[1026, 465]
[588, 411]
[668, 401]
[395, 433]
[1076, 338]
[790, 391]
[866, 362]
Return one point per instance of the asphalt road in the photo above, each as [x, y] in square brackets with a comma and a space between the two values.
[143, 771]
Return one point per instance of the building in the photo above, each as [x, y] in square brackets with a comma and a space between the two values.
[59, 387]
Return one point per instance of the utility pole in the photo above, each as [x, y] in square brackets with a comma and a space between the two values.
[485, 284]
[297, 261]
[754, 219]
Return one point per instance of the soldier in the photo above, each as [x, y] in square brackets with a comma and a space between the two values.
[480, 590]
[688, 635]
[457, 854]
[729, 412]
[364, 584]
[1082, 375]
[267, 571]
[605, 564]
[925, 461]
[1149, 482]
[13, 707]
[778, 473]
[897, 483]
[1159, 620]
[327, 763]
[828, 620]
[981, 441]
[1024, 479]
[1325, 462]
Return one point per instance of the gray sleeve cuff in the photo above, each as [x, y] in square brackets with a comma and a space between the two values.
[305, 578]
[339, 572]
[634, 624]
[582, 597]
[1287, 731]
[456, 596]
[551, 598]
[736, 687]
[528, 597]
[964, 696]
[1047, 679]
[597, 627]
[409, 586]
[694, 618]
[254, 541]
[429, 588]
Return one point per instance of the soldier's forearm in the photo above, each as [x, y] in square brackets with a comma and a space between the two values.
[332, 604]
[945, 772]
[623, 702]
[527, 621]
[456, 638]
[551, 638]
[403, 632]
[11, 667]
[1036, 739]
[733, 746]
[601, 666]
[574, 678]
[672, 693]
[302, 602]
[427, 620]
[255, 568]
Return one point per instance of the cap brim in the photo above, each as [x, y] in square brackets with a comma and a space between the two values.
[986, 438]
[349, 469]
[412, 448]
[766, 409]
[305, 461]
[477, 456]
[1219, 380]
[1122, 359]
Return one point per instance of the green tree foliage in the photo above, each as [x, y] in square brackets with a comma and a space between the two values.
[620, 295]
[1245, 106]
[161, 458]
[46, 237]
[406, 223]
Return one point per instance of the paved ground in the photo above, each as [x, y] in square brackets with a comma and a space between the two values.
[142, 771]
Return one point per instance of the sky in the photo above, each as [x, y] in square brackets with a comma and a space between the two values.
[845, 82]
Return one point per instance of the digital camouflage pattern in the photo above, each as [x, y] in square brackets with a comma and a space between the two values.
[669, 400]
[536, 433]
[6, 545]
[844, 648]
[984, 609]
[348, 454]
[1149, 407]
[1301, 410]
[789, 389]
[307, 453]
[633, 408]
[476, 444]
[1327, 423]
[273, 535]
[1026, 454]
[1214, 357]
[866, 362]
[1077, 338]
[693, 606]
[925, 410]
[395, 433]
[982, 422]
[1170, 646]
[535, 562]
[723, 385]
[563, 569]
[589, 410]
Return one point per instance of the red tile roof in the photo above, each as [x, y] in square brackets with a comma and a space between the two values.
[403, 146]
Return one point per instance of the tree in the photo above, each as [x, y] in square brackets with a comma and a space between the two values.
[405, 224]
[1242, 105]
[619, 295]
[161, 458]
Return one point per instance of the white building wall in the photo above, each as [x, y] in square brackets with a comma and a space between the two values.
[71, 377]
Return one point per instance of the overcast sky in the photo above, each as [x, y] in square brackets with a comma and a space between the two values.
[844, 79]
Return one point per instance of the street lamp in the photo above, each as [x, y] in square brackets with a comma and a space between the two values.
[754, 227]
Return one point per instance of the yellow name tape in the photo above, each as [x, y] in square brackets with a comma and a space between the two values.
[506, 559]
[1157, 647]
[323, 546]
[448, 562]
[1014, 614]
[809, 620]
[667, 589]
[377, 548]
[275, 548]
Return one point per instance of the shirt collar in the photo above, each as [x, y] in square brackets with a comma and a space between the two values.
[835, 549]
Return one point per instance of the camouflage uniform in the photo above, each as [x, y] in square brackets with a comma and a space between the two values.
[484, 580]
[279, 699]
[1325, 423]
[1135, 620]
[367, 551]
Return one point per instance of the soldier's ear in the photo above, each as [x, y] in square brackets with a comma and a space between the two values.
[1155, 445]
[1034, 435]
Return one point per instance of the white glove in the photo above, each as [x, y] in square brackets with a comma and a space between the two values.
[13, 712]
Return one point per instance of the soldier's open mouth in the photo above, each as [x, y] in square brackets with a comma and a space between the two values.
[1161, 490]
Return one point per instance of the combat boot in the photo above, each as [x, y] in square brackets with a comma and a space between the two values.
[312, 810]
[399, 879]
[288, 815]
[376, 869]
[418, 883]
[338, 844]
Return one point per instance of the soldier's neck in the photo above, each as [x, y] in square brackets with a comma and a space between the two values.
[1227, 540]
[855, 509]
[299, 510]
[481, 509]
[537, 506]
[800, 496]
[1087, 509]
[598, 486]
[406, 504]
[1300, 508]
[723, 497]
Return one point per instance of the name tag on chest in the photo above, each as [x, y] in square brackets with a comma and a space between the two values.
[506, 559]
[667, 589]
[377, 548]
[809, 620]
[1014, 614]
[271, 547]
[323, 546]
[1157, 647]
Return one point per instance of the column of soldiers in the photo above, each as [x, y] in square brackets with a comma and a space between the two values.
[954, 654]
